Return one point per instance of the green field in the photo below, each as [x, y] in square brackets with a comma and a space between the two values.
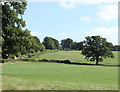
[56, 76]
[74, 56]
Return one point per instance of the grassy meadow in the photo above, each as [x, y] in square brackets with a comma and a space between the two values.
[56, 76]
[73, 56]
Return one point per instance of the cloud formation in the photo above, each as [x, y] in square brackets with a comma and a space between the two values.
[72, 3]
[110, 33]
[108, 12]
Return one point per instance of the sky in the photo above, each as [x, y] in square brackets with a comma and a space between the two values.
[73, 19]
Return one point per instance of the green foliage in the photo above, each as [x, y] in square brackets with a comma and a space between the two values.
[12, 56]
[66, 43]
[51, 43]
[42, 47]
[37, 45]
[56, 43]
[77, 45]
[15, 39]
[12, 26]
[116, 48]
[97, 48]
[18, 54]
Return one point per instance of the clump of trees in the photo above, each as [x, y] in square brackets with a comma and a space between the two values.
[15, 40]
[116, 48]
[77, 46]
[96, 48]
[51, 43]
[68, 44]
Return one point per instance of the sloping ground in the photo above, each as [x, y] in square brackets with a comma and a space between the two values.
[52, 76]
[73, 56]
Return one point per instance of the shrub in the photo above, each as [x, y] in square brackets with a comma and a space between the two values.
[12, 56]
[18, 54]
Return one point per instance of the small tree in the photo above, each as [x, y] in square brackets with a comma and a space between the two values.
[97, 48]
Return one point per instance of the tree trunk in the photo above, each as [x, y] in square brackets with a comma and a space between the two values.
[97, 59]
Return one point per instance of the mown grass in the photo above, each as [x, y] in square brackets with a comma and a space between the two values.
[74, 56]
[53, 76]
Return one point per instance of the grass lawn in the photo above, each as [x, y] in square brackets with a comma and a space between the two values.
[74, 56]
[54, 76]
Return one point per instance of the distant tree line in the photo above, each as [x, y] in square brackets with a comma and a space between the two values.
[66, 44]
[116, 48]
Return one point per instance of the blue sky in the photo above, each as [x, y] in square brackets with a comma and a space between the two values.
[74, 19]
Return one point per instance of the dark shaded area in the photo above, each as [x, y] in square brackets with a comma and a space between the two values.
[116, 48]
[95, 64]
[74, 63]
[56, 61]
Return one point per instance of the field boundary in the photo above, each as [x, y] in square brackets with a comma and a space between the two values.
[53, 61]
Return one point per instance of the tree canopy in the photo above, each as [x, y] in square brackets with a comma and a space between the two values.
[15, 40]
[97, 48]
[66, 43]
[116, 48]
[51, 43]
[12, 25]
[77, 46]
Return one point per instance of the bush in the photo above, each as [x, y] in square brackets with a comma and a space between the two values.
[12, 56]
[18, 54]
[55, 61]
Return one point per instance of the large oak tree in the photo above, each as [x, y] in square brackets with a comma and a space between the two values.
[96, 48]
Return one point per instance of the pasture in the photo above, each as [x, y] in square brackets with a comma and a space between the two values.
[56, 76]
[73, 56]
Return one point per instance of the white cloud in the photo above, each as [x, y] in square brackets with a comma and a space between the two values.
[63, 34]
[110, 33]
[85, 18]
[35, 33]
[108, 12]
[72, 3]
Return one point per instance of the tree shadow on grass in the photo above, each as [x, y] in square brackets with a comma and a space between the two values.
[75, 63]
[57, 61]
